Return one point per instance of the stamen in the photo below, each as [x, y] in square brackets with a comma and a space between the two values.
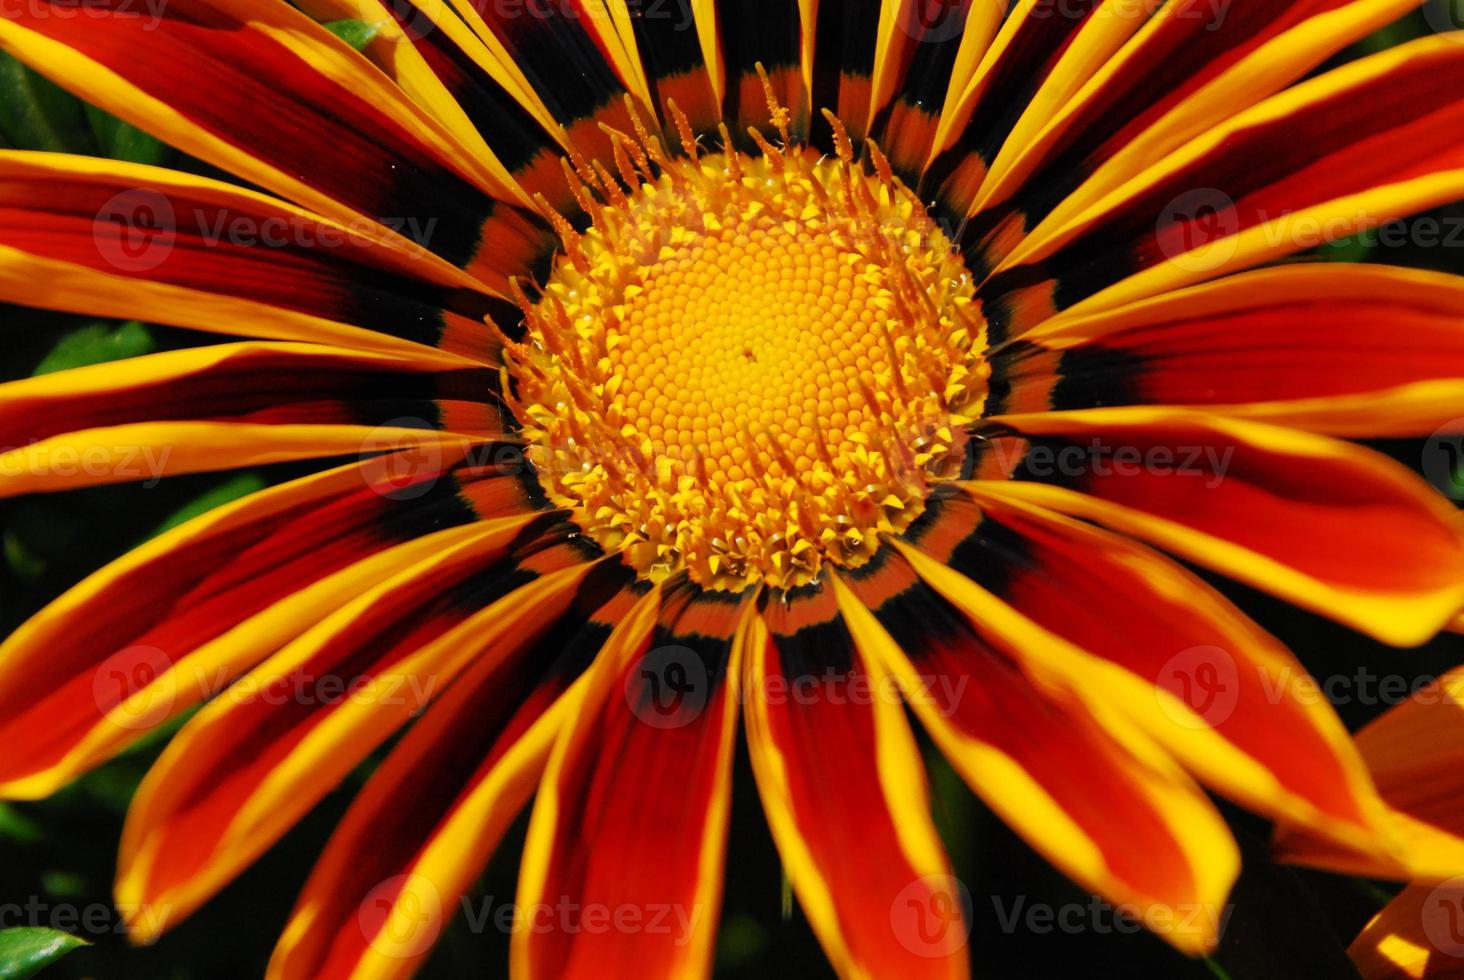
[748, 367]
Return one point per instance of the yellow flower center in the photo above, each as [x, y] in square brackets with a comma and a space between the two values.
[748, 366]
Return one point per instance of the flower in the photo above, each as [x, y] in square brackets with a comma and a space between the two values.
[707, 363]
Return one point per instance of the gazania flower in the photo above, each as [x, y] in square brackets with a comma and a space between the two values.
[718, 367]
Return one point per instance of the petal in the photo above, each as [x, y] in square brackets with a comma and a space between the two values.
[105, 238]
[925, 56]
[1133, 830]
[314, 711]
[622, 870]
[178, 618]
[1192, 66]
[1346, 350]
[1419, 935]
[778, 34]
[844, 789]
[1341, 153]
[1227, 700]
[281, 384]
[387, 882]
[1327, 525]
[574, 61]
[261, 90]
[1415, 753]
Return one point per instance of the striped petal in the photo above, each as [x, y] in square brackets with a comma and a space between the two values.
[778, 34]
[259, 89]
[673, 39]
[843, 786]
[386, 884]
[1344, 152]
[925, 53]
[265, 382]
[1418, 936]
[1327, 525]
[630, 821]
[574, 61]
[314, 711]
[105, 238]
[1218, 692]
[1346, 350]
[176, 620]
[1191, 66]
[1414, 752]
[1134, 830]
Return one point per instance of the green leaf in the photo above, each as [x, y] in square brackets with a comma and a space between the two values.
[356, 33]
[97, 343]
[1345, 250]
[124, 141]
[26, 952]
[37, 114]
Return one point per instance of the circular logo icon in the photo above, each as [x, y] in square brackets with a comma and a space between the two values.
[1205, 680]
[668, 687]
[933, 21]
[402, 916]
[1445, 17]
[1443, 917]
[135, 687]
[1443, 459]
[399, 463]
[135, 231]
[931, 916]
[1196, 231]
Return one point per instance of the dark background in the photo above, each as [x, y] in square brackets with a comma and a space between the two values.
[59, 854]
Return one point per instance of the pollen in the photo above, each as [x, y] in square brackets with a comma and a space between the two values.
[748, 366]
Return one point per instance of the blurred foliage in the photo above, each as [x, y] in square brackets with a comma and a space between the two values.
[58, 854]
